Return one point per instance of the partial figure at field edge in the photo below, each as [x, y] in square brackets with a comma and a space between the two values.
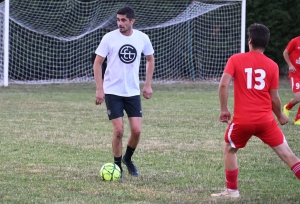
[255, 82]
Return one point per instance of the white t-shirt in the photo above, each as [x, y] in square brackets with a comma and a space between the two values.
[123, 54]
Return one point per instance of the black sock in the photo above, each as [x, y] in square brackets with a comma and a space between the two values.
[118, 162]
[129, 153]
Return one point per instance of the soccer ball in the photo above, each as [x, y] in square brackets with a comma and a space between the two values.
[110, 172]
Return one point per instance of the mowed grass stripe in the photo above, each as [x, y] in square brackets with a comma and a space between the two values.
[53, 141]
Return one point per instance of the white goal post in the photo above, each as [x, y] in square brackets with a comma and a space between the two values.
[52, 41]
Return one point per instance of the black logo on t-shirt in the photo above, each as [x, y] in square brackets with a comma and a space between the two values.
[127, 54]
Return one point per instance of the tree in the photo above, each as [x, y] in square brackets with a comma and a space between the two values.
[281, 18]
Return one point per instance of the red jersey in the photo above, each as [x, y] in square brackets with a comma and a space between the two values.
[293, 49]
[254, 75]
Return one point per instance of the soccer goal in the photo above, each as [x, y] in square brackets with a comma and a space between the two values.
[52, 41]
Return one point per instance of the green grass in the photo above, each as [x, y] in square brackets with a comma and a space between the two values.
[53, 141]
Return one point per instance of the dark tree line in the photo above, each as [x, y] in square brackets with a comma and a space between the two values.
[282, 17]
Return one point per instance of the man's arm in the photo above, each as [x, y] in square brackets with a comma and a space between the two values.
[98, 79]
[225, 115]
[286, 56]
[276, 107]
[147, 90]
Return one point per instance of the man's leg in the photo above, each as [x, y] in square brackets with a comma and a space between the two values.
[115, 107]
[134, 138]
[118, 128]
[291, 104]
[295, 101]
[231, 167]
[231, 172]
[285, 154]
[135, 131]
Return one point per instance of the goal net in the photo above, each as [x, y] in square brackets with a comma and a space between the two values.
[52, 41]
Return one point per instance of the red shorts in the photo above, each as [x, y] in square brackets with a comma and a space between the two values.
[239, 134]
[295, 83]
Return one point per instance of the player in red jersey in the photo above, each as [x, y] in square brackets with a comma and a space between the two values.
[255, 99]
[291, 55]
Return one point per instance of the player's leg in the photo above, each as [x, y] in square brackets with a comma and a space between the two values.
[285, 154]
[272, 135]
[296, 100]
[231, 167]
[135, 131]
[295, 84]
[115, 107]
[297, 118]
[291, 104]
[231, 172]
[118, 131]
[236, 137]
[133, 109]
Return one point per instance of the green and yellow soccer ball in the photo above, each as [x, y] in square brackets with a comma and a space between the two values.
[110, 172]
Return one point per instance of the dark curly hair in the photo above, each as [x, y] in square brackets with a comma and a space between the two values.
[128, 11]
[259, 34]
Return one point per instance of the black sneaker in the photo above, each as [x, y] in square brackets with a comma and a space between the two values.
[131, 167]
[121, 177]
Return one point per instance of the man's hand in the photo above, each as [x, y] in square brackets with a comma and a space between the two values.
[147, 92]
[99, 97]
[225, 116]
[283, 119]
[292, 68]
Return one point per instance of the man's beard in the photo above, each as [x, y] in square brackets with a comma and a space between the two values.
[122, 30]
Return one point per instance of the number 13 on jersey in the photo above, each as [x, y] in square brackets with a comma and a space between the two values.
[260, 85]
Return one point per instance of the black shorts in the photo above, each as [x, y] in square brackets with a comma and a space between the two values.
[116, 105]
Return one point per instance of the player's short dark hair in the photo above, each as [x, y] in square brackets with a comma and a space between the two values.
[259, 34]
[128, 11]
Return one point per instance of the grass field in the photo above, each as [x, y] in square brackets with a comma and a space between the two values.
[53, 141]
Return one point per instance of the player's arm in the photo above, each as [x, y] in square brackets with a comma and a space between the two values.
[286, 56]
[147, 90]
[98, 79]
[276, 106]
[223, 97]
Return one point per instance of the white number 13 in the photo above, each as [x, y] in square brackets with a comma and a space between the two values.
[259, 79]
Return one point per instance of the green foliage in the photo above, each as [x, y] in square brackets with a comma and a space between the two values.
[281, 18]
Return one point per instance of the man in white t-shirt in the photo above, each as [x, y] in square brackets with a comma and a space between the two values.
[120, 87]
